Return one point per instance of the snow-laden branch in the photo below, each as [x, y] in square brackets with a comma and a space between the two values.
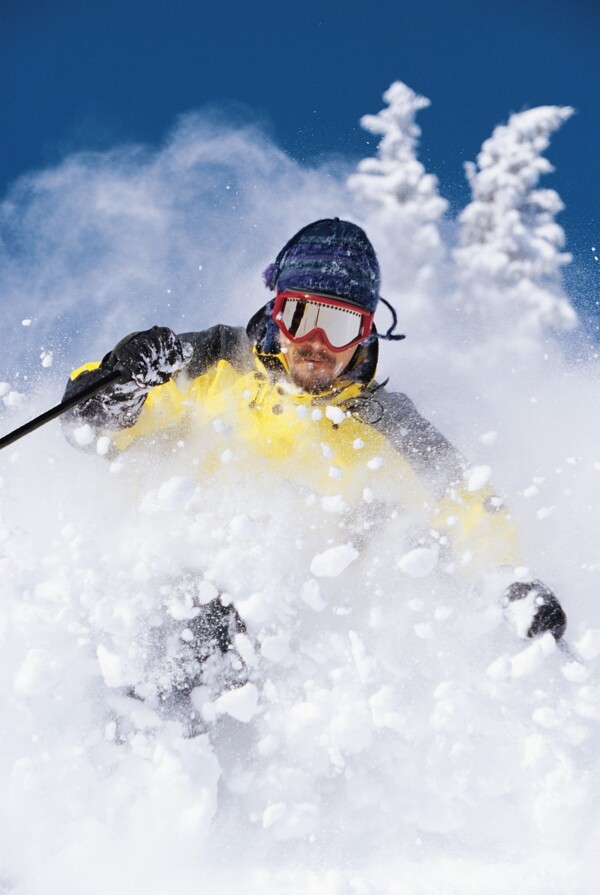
[510, 248]
[394, 187]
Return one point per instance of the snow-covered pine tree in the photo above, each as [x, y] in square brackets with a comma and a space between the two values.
[510, 248]
[398, 198]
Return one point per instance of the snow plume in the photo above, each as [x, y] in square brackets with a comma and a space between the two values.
[106, 243]
[399, 199]
[510, 250]
[386, 730]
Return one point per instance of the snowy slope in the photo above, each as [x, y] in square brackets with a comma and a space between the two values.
[392, 735]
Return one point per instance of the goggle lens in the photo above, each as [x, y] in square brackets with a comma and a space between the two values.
[299, 316]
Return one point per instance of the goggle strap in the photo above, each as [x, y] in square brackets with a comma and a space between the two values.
[390, 335]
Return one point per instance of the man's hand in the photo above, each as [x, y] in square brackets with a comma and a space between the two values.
[151, 356]
[533, 609]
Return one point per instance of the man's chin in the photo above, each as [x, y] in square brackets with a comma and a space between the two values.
[310, 379]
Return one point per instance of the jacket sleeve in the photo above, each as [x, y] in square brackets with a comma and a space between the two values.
[468, 515]
[123, 407]
[435, 460]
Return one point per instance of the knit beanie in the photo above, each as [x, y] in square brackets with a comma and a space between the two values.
[329, 256]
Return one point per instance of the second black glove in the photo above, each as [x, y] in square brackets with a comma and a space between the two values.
[535, 606]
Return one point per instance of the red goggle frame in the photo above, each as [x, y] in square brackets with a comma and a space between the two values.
[342, 325]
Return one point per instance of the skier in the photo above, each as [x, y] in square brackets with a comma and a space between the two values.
[301, 375]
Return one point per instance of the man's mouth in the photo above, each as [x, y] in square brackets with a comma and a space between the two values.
[311, 358]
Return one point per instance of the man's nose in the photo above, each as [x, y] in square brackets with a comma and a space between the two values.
[316, 338]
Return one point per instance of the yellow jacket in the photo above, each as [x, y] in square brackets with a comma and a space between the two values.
[357, 439]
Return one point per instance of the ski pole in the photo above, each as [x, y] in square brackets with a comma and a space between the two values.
[570, 652]
[114, 376]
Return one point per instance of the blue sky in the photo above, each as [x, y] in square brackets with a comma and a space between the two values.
[79, 75]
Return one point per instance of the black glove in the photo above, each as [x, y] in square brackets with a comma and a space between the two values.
[544, 612]
[151, 356]
[147, 359]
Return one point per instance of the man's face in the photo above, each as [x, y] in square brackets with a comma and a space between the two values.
[312, 364]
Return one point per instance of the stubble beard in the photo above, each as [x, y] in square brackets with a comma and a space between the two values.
[313, 379]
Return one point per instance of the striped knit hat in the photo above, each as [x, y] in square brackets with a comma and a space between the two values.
[330, 256]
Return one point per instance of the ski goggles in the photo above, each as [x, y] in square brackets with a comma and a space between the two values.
[299, 314]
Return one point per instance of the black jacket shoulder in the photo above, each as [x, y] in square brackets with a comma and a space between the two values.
[415, 438]
[220, 342]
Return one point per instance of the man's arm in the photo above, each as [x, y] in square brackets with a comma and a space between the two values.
[423, 447]
[147, 359]
[152, 358]
[474, 519]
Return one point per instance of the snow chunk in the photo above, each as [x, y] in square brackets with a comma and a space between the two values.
[13, 399]
[84, 435]
[312, 595]
[520, 613]
[488, 438]
[206, 592]
[47, 358]
[442, 613]
[103, 445]
[478, 477]
[334, 504]
[268, 745]
[291, 821]
[575, 672]
[418, 562]
[111, 667]
[273, 813]
[275, 647]
[383, 709]
[365, 663]
[332, 562]
[172, 493]
[181, 609]
[32, 672]
[26, 322]
[245, 648]
[335, 414]
[500, 669]
[589, 645]
[529, 659]
[240, 703]
[523, 663]
[255, 609]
